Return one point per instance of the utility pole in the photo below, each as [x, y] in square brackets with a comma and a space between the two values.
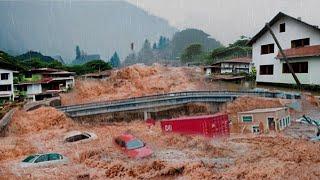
[284, 57]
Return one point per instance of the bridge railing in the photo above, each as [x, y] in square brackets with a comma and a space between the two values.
[175, 94]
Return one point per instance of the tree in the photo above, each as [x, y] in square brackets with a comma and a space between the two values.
[146, 54]
[78, 52]
[154, 47]
[181, 40]
[163, 43]
[239, 48]
[115, 60]
[191, 53]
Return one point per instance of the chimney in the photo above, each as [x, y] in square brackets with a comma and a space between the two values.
[299, 18]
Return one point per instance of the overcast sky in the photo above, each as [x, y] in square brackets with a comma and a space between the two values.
[226, 20]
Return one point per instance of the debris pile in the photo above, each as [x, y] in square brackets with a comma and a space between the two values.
[280, 157]
[13, 147]
[24, 122]
[133, 81]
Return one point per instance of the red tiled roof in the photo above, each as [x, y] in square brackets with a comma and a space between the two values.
[308, 51]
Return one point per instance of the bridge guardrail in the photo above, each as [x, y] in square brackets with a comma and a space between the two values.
[158, 96]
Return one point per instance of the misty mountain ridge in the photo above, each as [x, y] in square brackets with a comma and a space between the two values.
[56, 28]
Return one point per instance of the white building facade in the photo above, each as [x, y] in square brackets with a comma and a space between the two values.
[6, 84]
[301, 42]
[230, 66]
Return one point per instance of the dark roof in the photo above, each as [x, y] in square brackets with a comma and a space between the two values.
[307, 51]
[50, 71]
[246, 60]
[273, 21]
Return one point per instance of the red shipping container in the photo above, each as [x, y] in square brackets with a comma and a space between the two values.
[208, 125]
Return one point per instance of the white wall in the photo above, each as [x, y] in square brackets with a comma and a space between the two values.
[227, 67]
[294, 30]
[208, 71]
[34, 89]
[7, 82]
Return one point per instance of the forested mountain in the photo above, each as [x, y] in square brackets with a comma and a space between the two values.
[7, 61]
[32, 55]
[166, 49]
[181, 40]
[56, 27]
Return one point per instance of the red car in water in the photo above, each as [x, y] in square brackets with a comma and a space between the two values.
[132, 146]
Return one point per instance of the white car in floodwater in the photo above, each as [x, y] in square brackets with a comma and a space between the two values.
[39, 160]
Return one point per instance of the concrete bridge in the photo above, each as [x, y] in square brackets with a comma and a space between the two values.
[150, 103]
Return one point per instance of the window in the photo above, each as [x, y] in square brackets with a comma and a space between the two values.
[255, 129]
[134, 144]
[300, 43]
[267, 49]
[42, 158]
[247, 118]
[283, 27]
[4, 76]
[298, 67]
[30, 158]
[53, 157]
[266, 70]
[5, 87]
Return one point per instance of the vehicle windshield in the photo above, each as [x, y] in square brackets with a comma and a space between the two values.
[134, 144]
[30, 158]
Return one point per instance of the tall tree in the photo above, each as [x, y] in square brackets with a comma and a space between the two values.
[115, 60]
[146, 54]
[154, 47]
[183, 39]
[163, 42]
[78, 52]
[191, 53]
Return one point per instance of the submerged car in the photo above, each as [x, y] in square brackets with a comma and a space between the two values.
[47, 159]
[77, 136]
[132, 146]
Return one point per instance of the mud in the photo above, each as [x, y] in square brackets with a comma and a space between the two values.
[134, 81]
[274, 156]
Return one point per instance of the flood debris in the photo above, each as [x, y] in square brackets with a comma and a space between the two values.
[133, 81]
[279, 155]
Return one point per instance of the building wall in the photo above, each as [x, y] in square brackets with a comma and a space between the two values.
[33, 89]
[261, 120]
[208, 71]
[7, 82]
[294, 30]
[239, 67]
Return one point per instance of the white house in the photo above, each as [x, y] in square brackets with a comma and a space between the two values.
[42, 81]
[6, 84]
[236, 65]
[301, 44]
